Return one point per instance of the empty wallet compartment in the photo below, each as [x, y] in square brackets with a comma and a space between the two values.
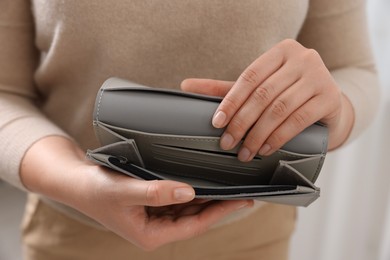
[144, 135]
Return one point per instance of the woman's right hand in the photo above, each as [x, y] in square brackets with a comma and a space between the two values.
[147, 213]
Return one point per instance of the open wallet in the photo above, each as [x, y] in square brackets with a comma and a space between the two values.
[163, 134]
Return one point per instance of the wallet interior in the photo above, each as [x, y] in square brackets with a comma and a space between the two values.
[144, 135]
[200, 162]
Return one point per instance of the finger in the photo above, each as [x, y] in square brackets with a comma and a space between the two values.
[193, 202]
[160, 193]
[257, 103]
[251, 78]
[180, 207]
[193, 225]
[177, 209]
[191, 209]
[200, 201]
[306, 115]
[211, 215]
[210, 87]
[157, 212]
[274, 115]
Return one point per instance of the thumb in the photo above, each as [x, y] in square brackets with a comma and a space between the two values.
[209, 87]
[161, 193]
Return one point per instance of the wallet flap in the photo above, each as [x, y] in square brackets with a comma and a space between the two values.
[133, 106]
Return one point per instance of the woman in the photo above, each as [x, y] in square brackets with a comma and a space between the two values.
[54, 57]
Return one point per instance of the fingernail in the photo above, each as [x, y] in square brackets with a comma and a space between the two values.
[265, 149]
[244, 155]
[227, 141]
[219, 119]
[184, 194]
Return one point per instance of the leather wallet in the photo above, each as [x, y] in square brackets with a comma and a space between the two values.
[158, 134]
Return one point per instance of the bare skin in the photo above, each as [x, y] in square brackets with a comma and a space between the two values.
[147, 213]
[281, 93]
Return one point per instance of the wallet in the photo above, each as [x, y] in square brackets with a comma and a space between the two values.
[164, 134]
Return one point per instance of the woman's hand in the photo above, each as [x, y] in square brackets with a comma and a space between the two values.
[150, 213]
[147, 213]
[281, 93]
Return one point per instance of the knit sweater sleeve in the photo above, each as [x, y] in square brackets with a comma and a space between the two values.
[338, 31]
[21, 122]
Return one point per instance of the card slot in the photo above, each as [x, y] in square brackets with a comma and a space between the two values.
[210, 166]
[226, 176]
[207, 165]
[208, 158]
[287, 194]
[206, 190]
[262, 169]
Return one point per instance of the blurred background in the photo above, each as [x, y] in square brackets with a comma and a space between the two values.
[351, 220]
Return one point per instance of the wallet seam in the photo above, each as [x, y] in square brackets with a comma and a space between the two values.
[99, 103]
[318, 170]
[324, 144]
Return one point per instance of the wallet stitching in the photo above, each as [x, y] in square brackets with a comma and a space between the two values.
[320, 163]
[98, 106]
[317, 172]
[324, 143]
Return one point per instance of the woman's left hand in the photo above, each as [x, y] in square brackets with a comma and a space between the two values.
[281, 93]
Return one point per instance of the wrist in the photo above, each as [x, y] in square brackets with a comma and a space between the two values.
[50, 166]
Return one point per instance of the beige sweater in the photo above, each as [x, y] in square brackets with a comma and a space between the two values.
[54, 55]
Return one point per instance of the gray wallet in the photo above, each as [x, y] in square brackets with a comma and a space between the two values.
[159, 134]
